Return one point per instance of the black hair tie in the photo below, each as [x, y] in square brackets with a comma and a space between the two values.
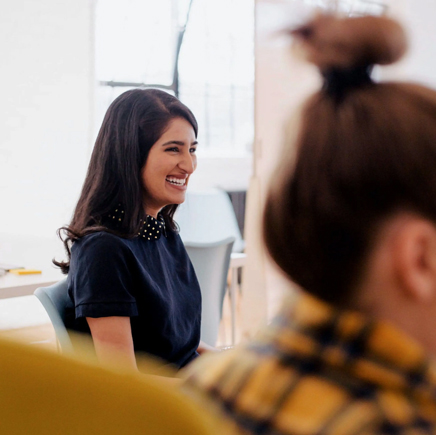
[337, 82]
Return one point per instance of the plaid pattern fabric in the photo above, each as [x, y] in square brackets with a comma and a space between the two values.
[318, 370]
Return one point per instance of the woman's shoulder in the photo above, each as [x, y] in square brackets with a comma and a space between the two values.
[99, 248]
[101, 241]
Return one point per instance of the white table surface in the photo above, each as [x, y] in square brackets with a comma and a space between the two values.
[22, 312]
[31, 253]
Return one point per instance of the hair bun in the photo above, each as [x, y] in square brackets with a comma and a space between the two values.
[332, 42]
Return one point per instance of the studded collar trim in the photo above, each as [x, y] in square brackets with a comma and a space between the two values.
[151, 228]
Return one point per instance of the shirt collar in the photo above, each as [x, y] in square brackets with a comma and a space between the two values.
[151, 229]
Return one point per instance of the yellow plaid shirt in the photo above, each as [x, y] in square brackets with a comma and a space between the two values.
[318, 370]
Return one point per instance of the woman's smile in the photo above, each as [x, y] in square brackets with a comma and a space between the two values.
[177, 182]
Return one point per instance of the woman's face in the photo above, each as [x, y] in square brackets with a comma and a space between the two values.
[170, 163]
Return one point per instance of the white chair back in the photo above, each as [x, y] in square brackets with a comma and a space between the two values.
[207, 217]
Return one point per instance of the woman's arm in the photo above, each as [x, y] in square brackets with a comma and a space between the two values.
[113, 342]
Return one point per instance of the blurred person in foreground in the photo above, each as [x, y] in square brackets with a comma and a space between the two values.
[351, 218]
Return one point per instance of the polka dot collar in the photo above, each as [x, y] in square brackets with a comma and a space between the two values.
[151, 228]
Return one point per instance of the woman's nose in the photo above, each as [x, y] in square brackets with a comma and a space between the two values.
[188, 163]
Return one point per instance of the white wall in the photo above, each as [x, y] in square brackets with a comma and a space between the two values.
[46, 73]
[418, 17]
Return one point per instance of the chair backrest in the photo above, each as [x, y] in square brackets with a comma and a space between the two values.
[211, 264]
[43, 392]
[55, 300]
[208, 216]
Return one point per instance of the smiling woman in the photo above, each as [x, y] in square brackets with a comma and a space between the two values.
[132, 284]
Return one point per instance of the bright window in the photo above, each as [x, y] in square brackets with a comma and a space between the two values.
[136, 44]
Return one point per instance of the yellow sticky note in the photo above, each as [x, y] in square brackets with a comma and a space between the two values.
[24, 271]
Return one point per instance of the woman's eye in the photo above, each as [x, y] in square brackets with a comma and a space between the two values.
[172, 150]
[192, 150]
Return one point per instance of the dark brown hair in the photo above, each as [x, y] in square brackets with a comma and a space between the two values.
[132, 124]
[359, 159]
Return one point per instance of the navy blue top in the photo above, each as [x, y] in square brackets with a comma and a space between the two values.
[150, 281]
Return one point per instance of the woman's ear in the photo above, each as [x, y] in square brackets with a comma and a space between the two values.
[414, 259]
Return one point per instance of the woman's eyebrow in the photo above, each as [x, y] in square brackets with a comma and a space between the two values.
[177, 142]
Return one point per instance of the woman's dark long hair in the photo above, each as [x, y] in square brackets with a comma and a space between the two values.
[133, 123]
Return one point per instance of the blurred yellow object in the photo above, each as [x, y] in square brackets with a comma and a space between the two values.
[24, 271]
[43, 392]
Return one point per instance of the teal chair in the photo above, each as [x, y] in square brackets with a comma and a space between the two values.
[55, 300]
[211, 264]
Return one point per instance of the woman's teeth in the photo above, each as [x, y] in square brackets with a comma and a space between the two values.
[176, 181]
